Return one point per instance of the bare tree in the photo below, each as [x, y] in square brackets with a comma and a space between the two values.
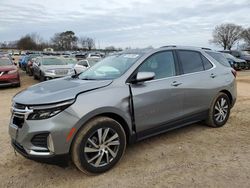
[87, 43]
[246, 36]
[226, 35]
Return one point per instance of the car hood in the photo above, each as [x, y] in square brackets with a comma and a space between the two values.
[57, 90]
[56, 67]
[7, 68]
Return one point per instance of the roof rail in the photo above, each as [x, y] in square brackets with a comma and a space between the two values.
[205, 48]
[169, 46]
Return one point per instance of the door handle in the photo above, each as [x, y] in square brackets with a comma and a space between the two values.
[175, 84]
[212, 75]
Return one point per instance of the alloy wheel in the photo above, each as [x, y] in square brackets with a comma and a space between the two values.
[102, 147]
[221, 110]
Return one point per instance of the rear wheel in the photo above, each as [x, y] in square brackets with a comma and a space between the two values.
[219, 111]
[98, 146]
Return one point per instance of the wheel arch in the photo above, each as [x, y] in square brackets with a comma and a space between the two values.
[229, 95]
[115, 116]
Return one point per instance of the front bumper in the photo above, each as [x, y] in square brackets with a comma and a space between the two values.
[60, 160]
[23, 132]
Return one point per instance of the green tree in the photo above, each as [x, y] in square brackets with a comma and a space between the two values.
[65, 40]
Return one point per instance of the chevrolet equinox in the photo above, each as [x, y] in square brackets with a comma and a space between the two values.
[124, 98]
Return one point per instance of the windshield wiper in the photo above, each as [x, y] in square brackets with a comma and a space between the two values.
[86, 78]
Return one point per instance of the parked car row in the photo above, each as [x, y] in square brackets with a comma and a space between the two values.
[239, 60]
[45, 67]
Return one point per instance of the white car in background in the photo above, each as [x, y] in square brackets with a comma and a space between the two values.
[82, 65]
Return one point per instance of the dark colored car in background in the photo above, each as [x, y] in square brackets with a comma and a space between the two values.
[9, 75]
[26, 59]
[236, 63]
[245, 55]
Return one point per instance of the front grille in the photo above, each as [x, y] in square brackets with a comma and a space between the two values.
[18, 120]
[61, 71]
[4, 82]
[40, 140]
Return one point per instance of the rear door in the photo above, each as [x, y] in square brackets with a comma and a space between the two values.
[158, 101]
[199, 80]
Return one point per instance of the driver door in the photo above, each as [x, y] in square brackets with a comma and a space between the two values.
[159, 101]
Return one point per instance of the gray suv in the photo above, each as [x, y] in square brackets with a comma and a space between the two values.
[126, 97]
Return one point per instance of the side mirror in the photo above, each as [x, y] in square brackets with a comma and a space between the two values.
[144, 76]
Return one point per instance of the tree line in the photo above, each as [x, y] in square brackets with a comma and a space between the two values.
[60, 41]
[227, 35]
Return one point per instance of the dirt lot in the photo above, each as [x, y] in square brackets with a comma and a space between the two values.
[194, 156]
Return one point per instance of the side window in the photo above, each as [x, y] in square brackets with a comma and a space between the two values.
[206, 63]
[191, 61]
[235, 54]
[161, 63]
[83, 63]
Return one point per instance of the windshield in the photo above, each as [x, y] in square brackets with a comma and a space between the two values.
[110, 68]
[219, 57]
[5, 62]
[52, 61]
[245, 53]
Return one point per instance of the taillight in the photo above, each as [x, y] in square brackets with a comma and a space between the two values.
[234, 72]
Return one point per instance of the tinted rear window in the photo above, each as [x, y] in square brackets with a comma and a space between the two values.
[220, 58]
[191, 61]
[206, 63]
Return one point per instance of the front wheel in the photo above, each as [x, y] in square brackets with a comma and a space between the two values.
[219, 111]
[98, 146]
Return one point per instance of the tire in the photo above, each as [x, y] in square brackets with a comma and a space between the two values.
[34, 76]
[41, 77]
[18, 85]
[31, 72]
[87, 159]
[218, 116]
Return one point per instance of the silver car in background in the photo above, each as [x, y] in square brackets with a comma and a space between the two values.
[126, 97]
[49, 67]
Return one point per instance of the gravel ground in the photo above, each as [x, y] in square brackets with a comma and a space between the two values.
[194, 156]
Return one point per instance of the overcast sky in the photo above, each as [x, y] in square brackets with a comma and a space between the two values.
[135, 23]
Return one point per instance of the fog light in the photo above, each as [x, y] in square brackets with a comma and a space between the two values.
[50, 143]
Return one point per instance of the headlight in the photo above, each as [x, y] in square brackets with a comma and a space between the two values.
[48, 111]
[12, 71]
